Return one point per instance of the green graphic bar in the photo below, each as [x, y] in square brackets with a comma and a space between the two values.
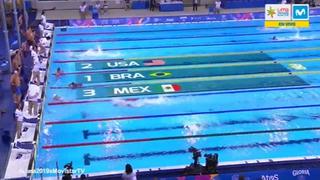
[186, 87]
[100, 65]
[180, 73]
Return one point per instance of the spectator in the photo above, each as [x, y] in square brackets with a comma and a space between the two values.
[29, 35]
[16, 61]
[33, 94]
[83, 10]
[21, 22]
[15, 82]
[218, 6]
[19, 118]
[129, 174]
[195, 5]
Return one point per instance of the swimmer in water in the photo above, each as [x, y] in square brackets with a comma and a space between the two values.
[59, 73]
[57, 98]
[74, 85]
[274, 38]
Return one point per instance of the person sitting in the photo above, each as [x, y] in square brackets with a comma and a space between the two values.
[74, 85]
[59, 73]
[129, 174]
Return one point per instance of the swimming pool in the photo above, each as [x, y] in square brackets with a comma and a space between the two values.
[151, 92]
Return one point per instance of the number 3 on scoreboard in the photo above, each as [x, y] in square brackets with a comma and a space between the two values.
[89, 92]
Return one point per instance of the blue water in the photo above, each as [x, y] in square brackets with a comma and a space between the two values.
[227, 37]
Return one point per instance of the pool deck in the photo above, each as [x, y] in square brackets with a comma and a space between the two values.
[115, 13]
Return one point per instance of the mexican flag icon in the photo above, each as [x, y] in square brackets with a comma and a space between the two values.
[170, 88]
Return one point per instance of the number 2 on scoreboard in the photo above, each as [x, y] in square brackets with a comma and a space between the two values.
[86, 66]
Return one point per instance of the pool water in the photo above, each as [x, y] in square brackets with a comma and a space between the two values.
[148, 93]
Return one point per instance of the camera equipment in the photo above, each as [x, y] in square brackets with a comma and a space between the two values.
[211, 162]
[67, 173]
[196, 154]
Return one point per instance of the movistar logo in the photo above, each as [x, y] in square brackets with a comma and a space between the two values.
[300, 12]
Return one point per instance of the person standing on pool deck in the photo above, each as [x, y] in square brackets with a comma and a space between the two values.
[36, 71]
[195, 5]
[33, 94]
[127, 5]
[83, 10]
[152, 5]
[15, 82]
[218, 6]
[19, 118]
[129, 174]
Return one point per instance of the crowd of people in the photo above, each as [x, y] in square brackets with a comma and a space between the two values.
[26, 77]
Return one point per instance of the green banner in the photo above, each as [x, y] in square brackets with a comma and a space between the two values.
[180, 73]
[100, 65]
[185, 87]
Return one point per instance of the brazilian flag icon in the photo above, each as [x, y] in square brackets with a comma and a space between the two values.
[160, 74]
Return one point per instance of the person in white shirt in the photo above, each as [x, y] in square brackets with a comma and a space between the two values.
[45, 41]
[218, 6]
[44, 22]
[34, 54]
[36, 71]
[99, 7]
[129, 174]
[19, 118]
[33, 95]
[41, 30]
[43, 19]
[83, 10]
